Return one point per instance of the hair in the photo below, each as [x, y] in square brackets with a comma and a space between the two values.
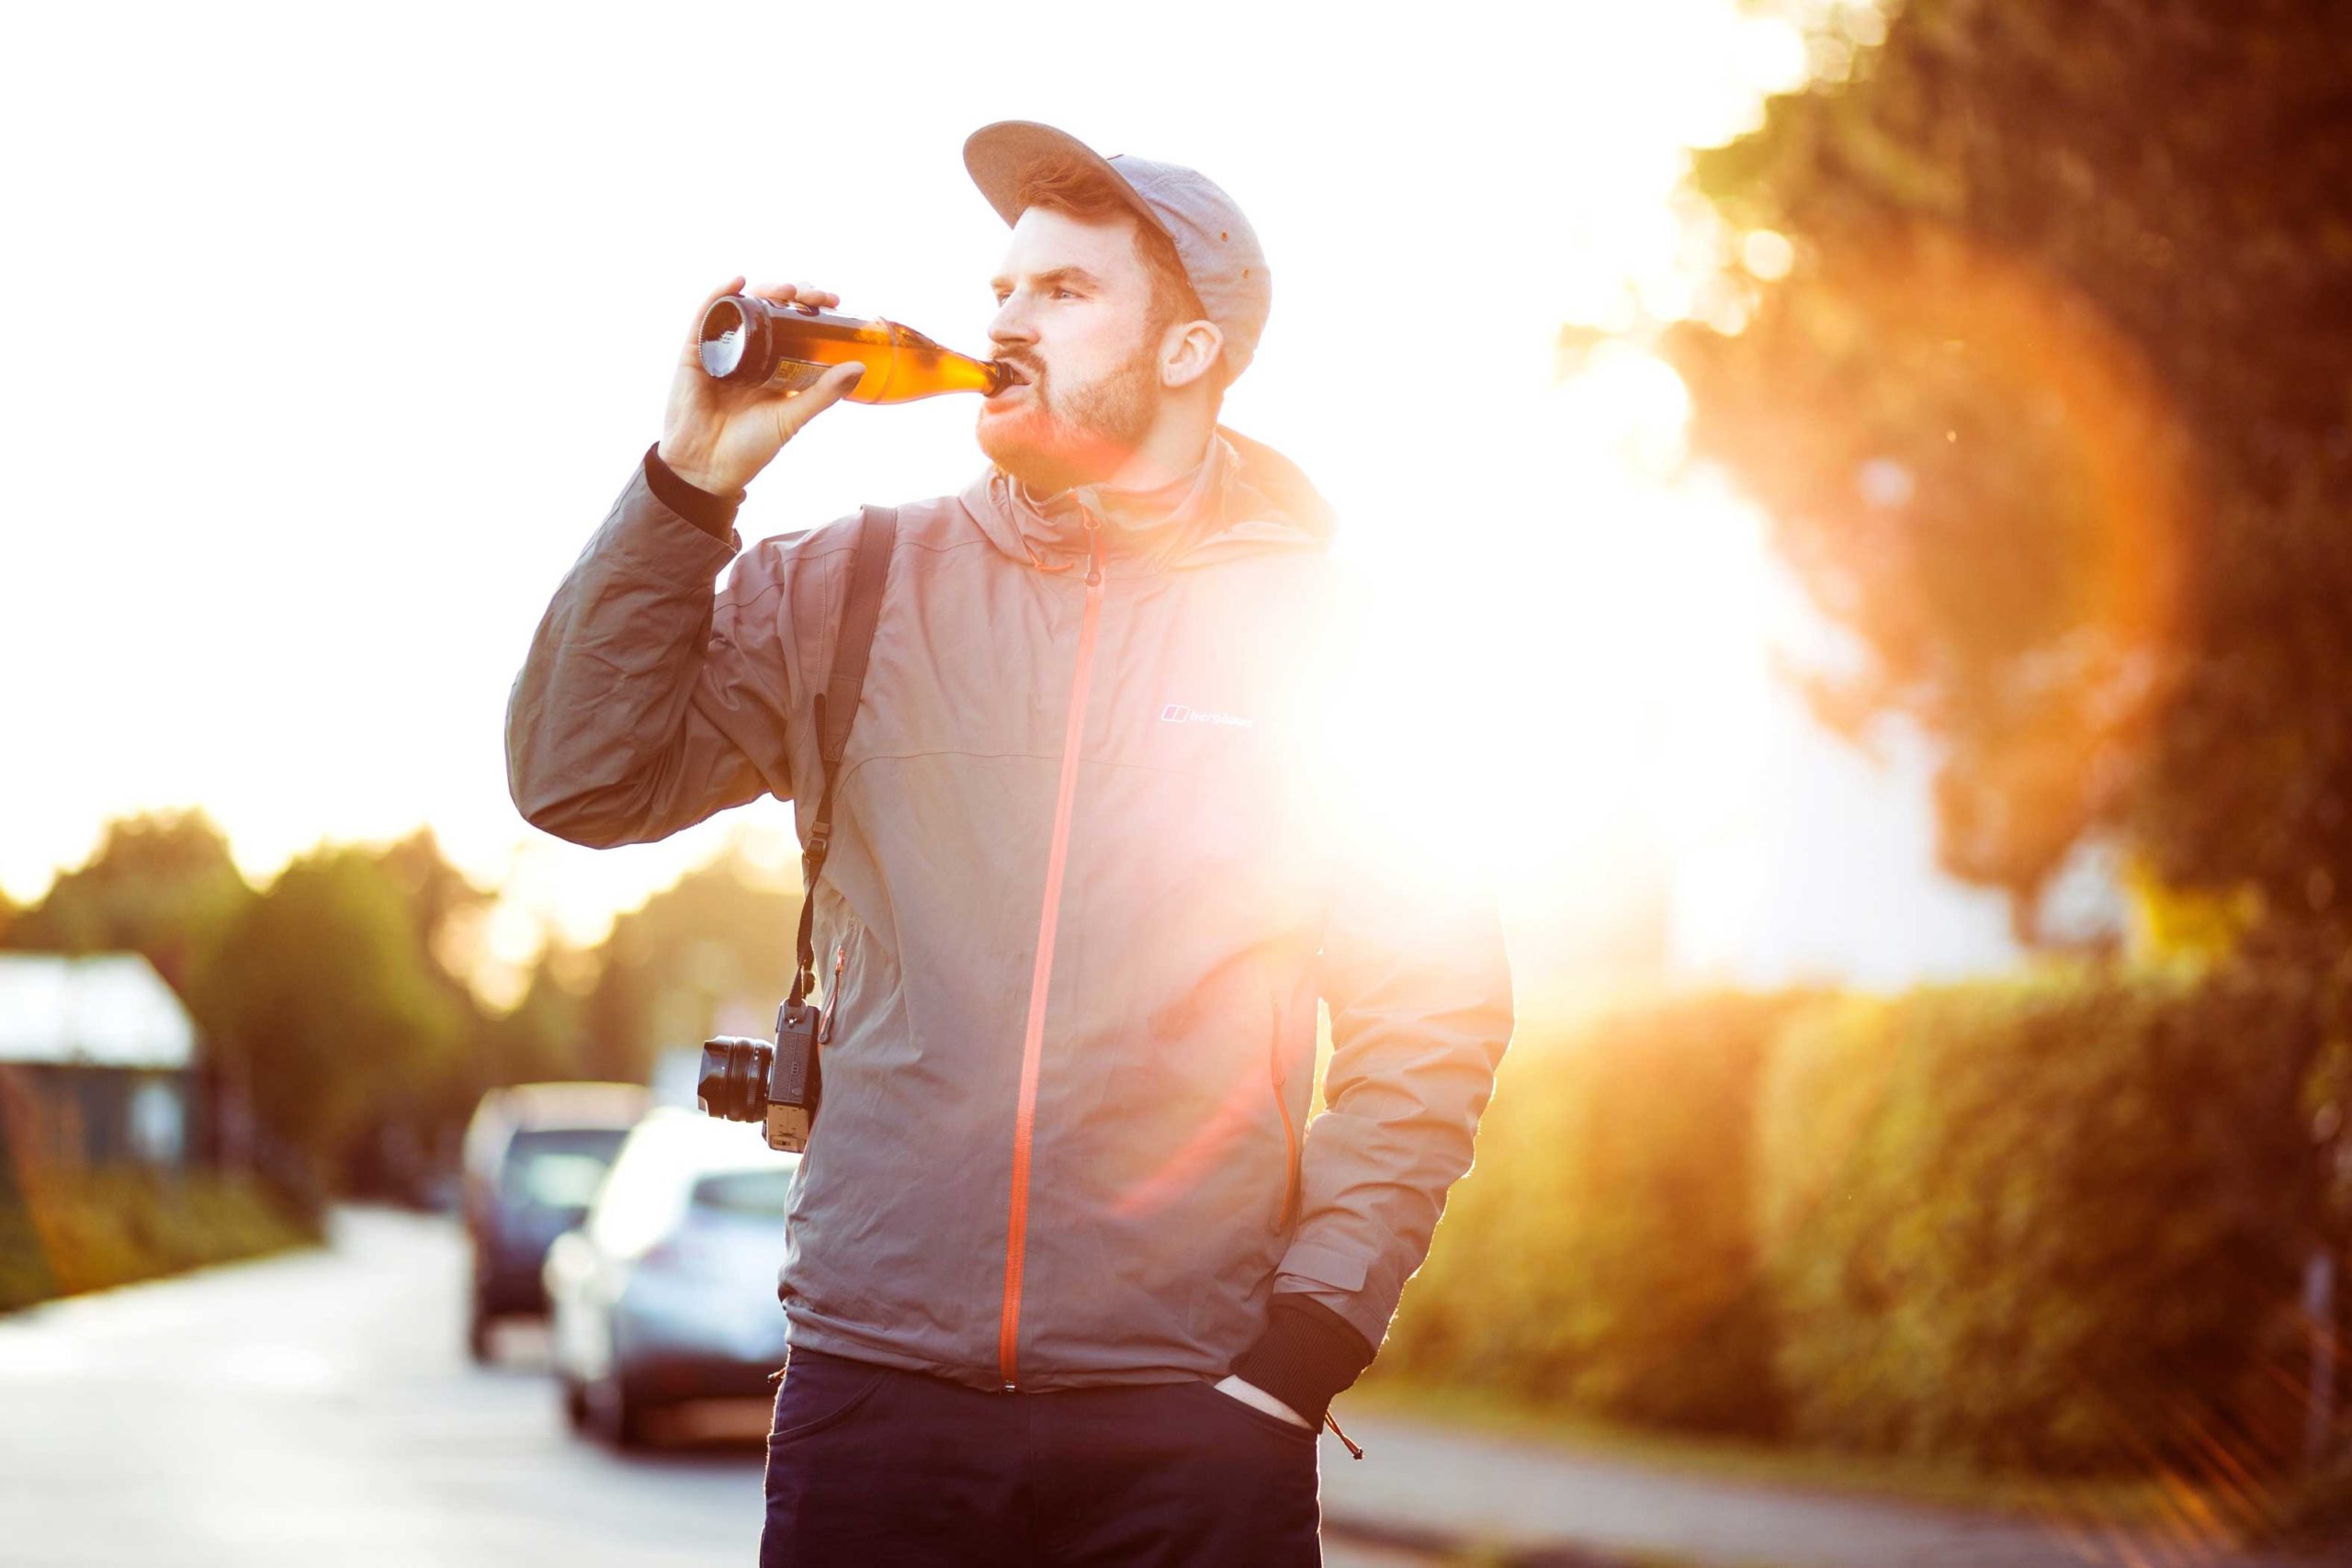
[1063, 183]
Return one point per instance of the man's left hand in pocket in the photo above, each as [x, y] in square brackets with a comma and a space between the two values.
[1250, 1394]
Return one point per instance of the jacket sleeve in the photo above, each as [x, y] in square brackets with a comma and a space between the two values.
[646, 704]
[1414, 972]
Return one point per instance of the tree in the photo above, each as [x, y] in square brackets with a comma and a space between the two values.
[2043, 387]
[161, 885]
[327, 1006]
[541, 1038]
[717, 941]
[439, 897]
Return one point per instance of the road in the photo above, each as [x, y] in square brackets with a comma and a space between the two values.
[319, 1408]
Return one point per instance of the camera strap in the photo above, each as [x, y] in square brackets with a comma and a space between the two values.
[877, 535]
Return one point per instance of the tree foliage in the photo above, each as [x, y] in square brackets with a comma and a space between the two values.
[717, 943]
[1599, 1253]
[326, 1007]
[337, 1005]
[2047, 396]
[2045, 1224]
[161, 885]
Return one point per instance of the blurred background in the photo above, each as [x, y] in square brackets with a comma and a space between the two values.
[1883, 468]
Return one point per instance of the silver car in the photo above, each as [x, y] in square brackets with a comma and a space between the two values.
[668, 1291]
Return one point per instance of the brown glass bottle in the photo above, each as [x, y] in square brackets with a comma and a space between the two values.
[751, 341]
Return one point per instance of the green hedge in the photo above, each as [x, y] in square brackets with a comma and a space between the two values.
[1597, 1255]
[85, 1231]
[2034, 1223]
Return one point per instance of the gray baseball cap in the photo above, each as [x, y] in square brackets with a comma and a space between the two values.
[1213, 241]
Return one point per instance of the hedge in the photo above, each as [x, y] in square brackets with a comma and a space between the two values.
[85, 1231]
[1597, 1254]
[2039, 1224]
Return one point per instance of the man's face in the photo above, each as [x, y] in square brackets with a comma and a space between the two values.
[1072, 303]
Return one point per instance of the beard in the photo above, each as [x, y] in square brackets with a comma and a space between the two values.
[1054, 439]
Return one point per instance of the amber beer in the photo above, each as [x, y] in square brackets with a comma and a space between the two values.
[750, 342]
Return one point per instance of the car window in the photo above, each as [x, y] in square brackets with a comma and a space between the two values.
[559, 1167]
[760, 1192]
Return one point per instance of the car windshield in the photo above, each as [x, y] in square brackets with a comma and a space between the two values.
[760, 1192]
[560, 1168]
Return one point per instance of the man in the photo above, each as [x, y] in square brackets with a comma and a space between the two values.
[1068, 1276]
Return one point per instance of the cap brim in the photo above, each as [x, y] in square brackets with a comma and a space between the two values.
[998, 154]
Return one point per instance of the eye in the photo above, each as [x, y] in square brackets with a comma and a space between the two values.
[1060, 293]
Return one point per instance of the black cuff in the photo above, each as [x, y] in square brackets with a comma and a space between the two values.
[1308, 1354]
[714, 514]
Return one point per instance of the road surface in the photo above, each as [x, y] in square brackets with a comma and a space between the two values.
[317, 1408]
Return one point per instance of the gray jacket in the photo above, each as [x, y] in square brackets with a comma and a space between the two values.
[1081, 901]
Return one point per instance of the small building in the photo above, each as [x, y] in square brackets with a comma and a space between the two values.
[97, 1061]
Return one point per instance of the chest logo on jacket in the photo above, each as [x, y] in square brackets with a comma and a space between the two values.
[1177, 712]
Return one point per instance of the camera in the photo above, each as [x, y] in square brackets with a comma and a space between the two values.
[779, 1084]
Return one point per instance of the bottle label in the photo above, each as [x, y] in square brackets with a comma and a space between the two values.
[796, 374]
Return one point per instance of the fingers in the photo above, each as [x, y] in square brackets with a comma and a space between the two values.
[731, 286]
[839, 382]
[804, 296]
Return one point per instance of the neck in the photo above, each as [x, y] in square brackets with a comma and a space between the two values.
[1173, 447]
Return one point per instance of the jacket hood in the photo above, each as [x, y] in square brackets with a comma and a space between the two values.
[1246, 497]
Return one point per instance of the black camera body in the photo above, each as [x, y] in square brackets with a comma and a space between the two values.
[779, 1084]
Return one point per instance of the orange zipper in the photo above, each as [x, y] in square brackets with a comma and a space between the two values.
[1033, 1035]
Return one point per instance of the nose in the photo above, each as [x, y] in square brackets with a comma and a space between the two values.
[1011, 328]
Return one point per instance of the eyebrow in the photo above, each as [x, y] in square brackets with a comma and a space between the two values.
[1078, 275]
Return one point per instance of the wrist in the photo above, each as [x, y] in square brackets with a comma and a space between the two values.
[712, 512]
[687, 465]
[1308, 1354]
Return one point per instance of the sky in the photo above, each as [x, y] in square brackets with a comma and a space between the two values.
[332, 334]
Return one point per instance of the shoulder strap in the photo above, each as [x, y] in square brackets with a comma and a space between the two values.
[877, 535]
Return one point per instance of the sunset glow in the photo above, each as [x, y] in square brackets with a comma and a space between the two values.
[413, 353]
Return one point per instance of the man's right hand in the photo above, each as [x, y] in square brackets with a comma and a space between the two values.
[715, 436]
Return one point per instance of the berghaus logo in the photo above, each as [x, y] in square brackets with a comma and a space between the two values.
[1177, 712]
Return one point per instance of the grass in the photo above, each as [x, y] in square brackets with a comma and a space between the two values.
[72, 1232]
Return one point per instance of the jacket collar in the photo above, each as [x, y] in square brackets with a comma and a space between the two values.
[1242, 497]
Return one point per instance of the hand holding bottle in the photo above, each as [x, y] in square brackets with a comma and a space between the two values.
[716, 436]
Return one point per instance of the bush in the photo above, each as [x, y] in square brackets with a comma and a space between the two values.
[86, 1231]
[2037, 1224]
[1597, 1254]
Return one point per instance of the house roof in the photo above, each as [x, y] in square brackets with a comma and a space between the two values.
[109, 1010]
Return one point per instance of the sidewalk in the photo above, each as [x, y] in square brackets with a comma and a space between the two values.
[1427, 1486]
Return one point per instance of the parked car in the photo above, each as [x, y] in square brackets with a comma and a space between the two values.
[668, 1292]
[535, 1154]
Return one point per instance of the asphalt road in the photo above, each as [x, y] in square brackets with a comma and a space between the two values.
[319, 1408]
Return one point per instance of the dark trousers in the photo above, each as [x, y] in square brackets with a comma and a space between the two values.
[872, 1467]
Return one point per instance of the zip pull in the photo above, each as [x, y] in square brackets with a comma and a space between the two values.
[1332, 1422]
[832, 994]
[1094, 552]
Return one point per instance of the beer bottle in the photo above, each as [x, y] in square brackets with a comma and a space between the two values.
[750, 342]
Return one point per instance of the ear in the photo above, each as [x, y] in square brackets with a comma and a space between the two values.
[1187, 352]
